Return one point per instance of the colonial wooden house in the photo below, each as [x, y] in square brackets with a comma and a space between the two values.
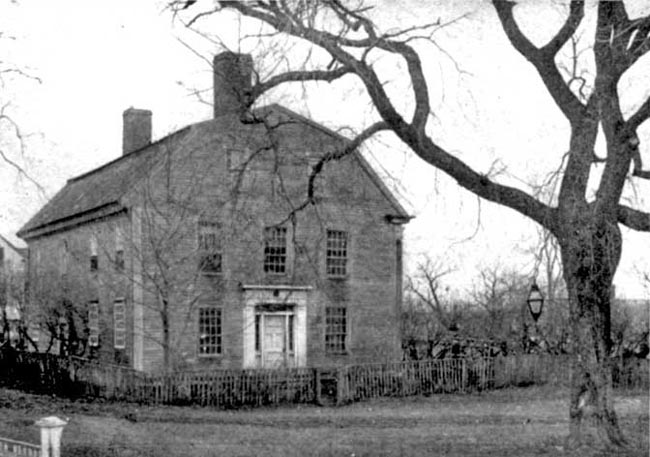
[212, 247]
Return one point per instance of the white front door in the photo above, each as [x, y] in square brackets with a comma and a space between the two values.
[274, 343]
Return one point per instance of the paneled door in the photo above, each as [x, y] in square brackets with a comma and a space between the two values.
[274, 342]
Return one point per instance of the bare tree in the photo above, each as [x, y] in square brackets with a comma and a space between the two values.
[12, 299]
[429, 314]
[499, 293]
[57, 315]
[175, 249]
[586, 227]
[12, 138]
[428, 286]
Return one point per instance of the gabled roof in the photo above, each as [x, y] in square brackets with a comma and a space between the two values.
[372, 174]
[96, 189]
[99, 191]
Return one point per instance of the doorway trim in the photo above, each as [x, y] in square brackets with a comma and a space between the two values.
[265, 295]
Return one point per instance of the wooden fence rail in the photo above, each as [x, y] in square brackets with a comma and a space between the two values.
[228, 388]
[19, 448]
[74, 377]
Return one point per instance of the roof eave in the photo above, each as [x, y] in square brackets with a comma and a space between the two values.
[398, 219]
[107, 210]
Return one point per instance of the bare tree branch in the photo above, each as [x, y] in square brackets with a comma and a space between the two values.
[640, 116]
[297, 76]
[633, 218]
[576, 14]
[640, 45]
[544, 59]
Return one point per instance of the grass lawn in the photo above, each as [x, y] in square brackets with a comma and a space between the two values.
[511, 422]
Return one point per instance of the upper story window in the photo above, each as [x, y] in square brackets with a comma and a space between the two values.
[336, 261]
[119, 249]
[210, 250]
[275, 250]
[94, 262]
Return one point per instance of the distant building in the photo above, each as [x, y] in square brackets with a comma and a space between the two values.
[212, 247]
[12, 287]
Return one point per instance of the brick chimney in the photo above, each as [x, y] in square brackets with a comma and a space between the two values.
[232, 82]
[136, 129]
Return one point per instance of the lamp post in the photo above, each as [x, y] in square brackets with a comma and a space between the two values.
[535, 301]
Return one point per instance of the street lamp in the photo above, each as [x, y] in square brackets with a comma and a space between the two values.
[535, 301]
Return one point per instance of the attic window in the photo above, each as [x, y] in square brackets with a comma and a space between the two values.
[236, 160]
[275, 250]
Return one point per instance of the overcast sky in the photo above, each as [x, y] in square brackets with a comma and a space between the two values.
[96, 59]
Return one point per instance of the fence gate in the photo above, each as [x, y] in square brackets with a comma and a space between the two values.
[326, 388]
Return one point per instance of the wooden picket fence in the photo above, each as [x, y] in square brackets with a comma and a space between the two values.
[457, 375]
[67, 376]
[19, 448]
[228, 388]
[75, 377]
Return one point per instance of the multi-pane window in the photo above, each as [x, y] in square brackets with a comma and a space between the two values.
[94, 264]
[275, 250]
[209, 331]
[93, 324]
[119, 249]
[337, 253]
[210, 252]
[119, 324]
[335, 329]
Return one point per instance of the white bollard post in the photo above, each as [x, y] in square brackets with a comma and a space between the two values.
[51, 430]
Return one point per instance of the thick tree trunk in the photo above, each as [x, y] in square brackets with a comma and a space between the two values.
[591, 252]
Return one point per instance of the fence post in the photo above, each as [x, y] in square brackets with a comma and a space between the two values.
[341, 386]
[317, 388]
[464, 387]
[51, 430]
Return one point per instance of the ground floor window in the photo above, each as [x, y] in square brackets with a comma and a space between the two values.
[119, 324]
[93, 324]
[210, 331]
[335, 329]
